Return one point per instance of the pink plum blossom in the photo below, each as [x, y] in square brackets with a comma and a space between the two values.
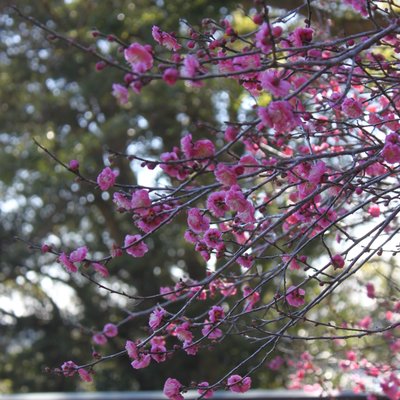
[238, 384]
[131, 349]
[244, 63]
[391, 150]
[263, 38]
[352, 108]
[121, 93]
[195, 290]
[85, 375]
[142, 361]
[305, 189]
[200, 149]
[295, 296]
[211, 332]
[236, 200]
[247, 161]
[166, 292]
[183, 333]
[170, 76]
[110, 330]
[391, 122]
[260, 189]
[156, 318]
[328, 215]
[337, 261]
[101, 269]
[216, 313]
[212, 238]
[139, 57]
[365, 322]
[316, 173]
[374, 210]
[67, 263]
[276, 363]
[116, 251]
[158, 340]
[106, 178]
[197, 222]
[79, 254]
[135, 250]
[225, 174]
[279, 115]
[293, 264]
[203, 390]
[302, 36]
[73, 165]
[370, 290]
[231, 133]
[69, 368]
[216, 204]
[271, 82]
[251, 298]
[140, 202]
[247, 215]
[165, 39]
[121, 201]
[136, 86]
[99, 339]
[154, 218]
[158, 353]
[203, 250]
[45, 248]
[190, 349]
[174, 169]
[172, 388]
[191, 66]
[191, 237]
[391, 388]
[245, 261]
[391, 153]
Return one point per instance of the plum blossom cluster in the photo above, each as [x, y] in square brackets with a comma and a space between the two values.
[282, 206]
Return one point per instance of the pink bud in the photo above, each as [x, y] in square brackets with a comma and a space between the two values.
[374, 210]
[358, 190]
[110, 330]
[74, 165]
[337, 261]
[170, 76]
[277, 31]
[45, 248]
[258, 19]
[100, 66]
[99, 339]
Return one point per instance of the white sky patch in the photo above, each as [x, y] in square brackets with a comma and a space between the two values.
[144, 175]
[221, 103]
[212, 262]
[62, 294]
[14, 304]
[104, 46]
[9, 205]
[177, 273]
[247, 104]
